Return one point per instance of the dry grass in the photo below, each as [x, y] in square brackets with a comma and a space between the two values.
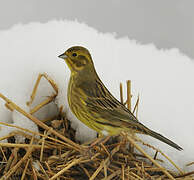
[56, 155]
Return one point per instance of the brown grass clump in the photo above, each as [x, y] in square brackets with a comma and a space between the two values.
[56, 155]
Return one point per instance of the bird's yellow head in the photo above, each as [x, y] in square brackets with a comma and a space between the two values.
[77, 58]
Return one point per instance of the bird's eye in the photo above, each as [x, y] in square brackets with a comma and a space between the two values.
[74, 54]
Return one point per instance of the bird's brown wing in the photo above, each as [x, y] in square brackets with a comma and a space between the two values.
[105, 107]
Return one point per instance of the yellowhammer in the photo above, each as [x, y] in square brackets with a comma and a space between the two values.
[94, 105]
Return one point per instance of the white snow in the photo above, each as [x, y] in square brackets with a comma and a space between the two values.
[163, 78]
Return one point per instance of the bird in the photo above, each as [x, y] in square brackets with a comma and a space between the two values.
[93, 104]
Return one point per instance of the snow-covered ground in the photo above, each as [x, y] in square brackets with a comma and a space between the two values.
[163, 78]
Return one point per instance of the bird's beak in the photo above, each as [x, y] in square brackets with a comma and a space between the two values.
[63, 56]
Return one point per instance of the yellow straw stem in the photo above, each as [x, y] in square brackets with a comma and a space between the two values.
[129, 94]
[41, 124]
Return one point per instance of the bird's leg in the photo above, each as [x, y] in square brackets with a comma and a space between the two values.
[104, 140]
[46, 101]
[95, 142]
[100, 140]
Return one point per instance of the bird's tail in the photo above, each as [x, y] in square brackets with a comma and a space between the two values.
[163, 139]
